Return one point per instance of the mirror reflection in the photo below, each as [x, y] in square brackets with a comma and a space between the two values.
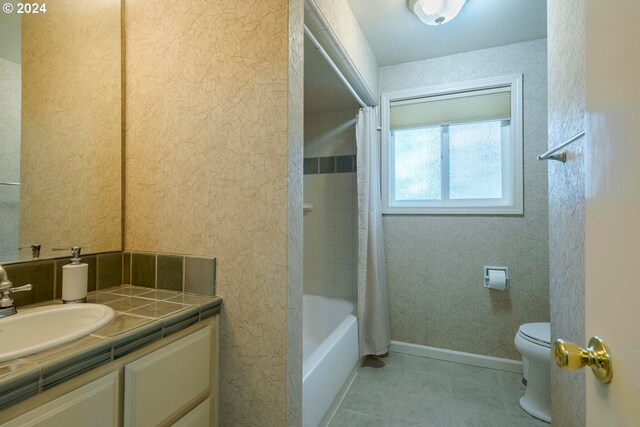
[60, 129]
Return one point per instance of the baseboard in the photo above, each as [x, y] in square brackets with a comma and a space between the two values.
[328, 416]
[457, 356]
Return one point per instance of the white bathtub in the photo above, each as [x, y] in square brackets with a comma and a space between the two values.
[330, 353]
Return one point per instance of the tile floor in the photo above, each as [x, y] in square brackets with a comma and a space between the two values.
[404, 390]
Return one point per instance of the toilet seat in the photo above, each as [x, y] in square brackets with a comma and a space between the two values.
[536, 333]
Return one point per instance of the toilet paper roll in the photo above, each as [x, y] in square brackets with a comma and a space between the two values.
[497, 280]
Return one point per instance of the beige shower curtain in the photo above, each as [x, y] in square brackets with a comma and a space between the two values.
[373, 303]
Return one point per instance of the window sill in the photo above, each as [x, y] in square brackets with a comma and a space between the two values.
[489, 211]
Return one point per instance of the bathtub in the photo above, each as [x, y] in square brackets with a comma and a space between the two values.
[330, 353]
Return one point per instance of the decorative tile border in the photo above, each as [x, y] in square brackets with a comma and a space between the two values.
[333, 164]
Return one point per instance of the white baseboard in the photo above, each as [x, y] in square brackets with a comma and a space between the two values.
[331, 412]
[457, 356]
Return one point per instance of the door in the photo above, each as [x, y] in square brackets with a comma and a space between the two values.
[612, 216]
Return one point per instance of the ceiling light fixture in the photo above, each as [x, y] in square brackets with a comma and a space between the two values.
[436, 12]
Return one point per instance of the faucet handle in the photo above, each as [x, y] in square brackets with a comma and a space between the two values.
[7, 288]
[7, 307]
[19, 289]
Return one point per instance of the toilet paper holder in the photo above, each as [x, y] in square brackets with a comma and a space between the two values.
[486, 275]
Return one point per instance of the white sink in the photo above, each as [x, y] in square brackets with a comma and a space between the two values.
[37, 329]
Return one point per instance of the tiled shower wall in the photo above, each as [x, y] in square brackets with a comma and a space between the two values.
[330, 235]
[330, 226]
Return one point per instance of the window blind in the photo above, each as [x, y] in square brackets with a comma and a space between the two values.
[465, 107]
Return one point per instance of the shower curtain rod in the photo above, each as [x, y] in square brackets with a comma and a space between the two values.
[335, 68]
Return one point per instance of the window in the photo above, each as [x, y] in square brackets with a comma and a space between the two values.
[454, 149]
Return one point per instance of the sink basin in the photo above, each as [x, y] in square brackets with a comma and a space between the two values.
[37, 329]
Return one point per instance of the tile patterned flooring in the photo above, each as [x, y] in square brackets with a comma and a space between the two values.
[404, 390]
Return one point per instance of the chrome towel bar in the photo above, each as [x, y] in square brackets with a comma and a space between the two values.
[10, 183]
[562, 157]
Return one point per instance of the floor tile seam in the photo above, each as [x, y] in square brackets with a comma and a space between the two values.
[391, 385]
[496, 405]
[430, 394]
[421, 371]
[484, 410]
[431, 398]
[505, 389]
[483, 384]
[364, 414]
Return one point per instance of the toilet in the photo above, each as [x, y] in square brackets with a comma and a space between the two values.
[533, 341]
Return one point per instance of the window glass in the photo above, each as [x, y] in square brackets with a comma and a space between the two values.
[475, 160]
[417, 164]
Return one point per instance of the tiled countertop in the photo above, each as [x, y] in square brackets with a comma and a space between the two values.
[143, 316]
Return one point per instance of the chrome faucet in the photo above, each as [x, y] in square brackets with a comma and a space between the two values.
[7, 307]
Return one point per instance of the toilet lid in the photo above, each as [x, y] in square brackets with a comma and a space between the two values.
[537, 333]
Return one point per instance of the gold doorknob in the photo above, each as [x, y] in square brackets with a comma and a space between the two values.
[571, 357]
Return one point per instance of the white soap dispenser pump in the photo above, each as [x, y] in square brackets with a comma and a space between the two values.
[74, 279]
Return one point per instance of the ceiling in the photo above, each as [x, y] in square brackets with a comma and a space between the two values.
[323, 89]
[396, 35]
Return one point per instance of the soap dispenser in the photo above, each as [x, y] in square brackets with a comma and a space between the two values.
[74, 279]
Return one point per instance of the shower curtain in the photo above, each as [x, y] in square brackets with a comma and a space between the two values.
[373, 303]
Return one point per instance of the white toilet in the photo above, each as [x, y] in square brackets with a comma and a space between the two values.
[533, 341]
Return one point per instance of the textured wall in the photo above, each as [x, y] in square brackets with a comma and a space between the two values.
[10, 99]
[435, 263]
[214, 167]
[71, 127]
[343, 23]
[565, 22]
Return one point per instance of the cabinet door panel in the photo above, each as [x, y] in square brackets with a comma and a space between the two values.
[160, 384]
[200, 416]
[95, 405]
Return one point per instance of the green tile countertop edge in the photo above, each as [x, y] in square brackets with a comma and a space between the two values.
[143, 316]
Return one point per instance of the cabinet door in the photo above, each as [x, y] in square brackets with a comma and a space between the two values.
[160, 385]
[95, 405]
[200, 416]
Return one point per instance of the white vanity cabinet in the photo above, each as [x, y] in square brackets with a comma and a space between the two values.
[158, 386]
[97, 401]
[169, 382]
[200, 416]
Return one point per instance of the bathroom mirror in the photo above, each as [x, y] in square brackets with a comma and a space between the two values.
[60, 128]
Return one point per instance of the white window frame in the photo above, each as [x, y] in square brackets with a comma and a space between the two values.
[512, 202]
